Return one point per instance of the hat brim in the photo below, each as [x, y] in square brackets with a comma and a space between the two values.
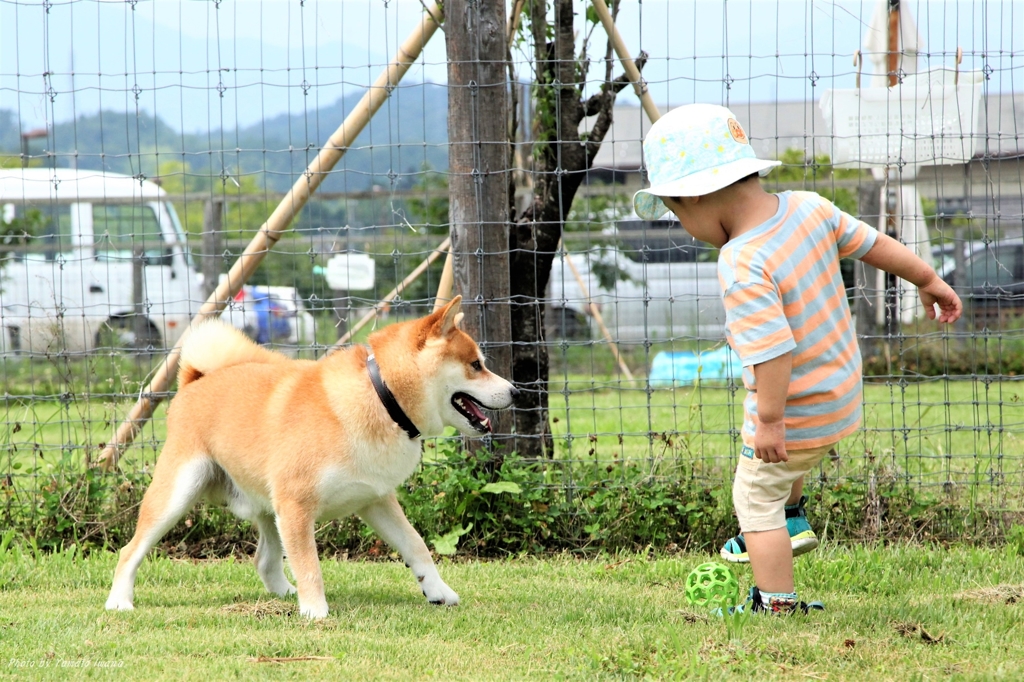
[648, 205]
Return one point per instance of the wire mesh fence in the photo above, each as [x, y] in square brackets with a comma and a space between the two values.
[143, 145]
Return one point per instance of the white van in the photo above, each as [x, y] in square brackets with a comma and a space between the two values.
[70, 286]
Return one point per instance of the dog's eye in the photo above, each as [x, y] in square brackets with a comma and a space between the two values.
[477, 366]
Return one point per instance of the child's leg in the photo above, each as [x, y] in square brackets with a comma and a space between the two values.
[761, 493]
[797, 492]
[771, 559]
[801, 537]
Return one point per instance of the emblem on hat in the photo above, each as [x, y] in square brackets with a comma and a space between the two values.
[737, 131]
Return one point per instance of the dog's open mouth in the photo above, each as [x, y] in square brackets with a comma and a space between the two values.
[469, 408]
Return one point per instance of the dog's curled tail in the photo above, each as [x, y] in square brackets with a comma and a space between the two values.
[214, 344]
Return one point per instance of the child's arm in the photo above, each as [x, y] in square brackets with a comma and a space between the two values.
[772, 379]
[889, 255]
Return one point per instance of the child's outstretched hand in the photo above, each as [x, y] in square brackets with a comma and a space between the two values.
[937, 291]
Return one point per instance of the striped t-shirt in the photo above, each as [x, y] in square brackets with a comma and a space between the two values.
[783, 292]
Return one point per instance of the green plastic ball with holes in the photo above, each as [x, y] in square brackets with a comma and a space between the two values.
[712, 584]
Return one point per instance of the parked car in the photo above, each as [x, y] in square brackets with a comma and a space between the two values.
[70, 286]
[653, 282]
[993, 274]
[271, 315]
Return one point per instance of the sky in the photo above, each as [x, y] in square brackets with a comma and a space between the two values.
[203, 64]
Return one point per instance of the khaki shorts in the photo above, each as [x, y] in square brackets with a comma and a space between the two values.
[761, 489]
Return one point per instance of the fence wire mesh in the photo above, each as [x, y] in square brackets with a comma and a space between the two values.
[143, 144]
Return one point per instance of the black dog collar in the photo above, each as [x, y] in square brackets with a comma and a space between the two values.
[398, 415]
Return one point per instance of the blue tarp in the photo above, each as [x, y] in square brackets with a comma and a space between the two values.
[684, 368]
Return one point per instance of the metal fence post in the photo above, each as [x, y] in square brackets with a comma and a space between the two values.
[866, 299]
[139, 295]
[213, 239]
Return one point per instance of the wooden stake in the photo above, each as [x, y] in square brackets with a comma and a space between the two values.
[893, 56]
[639, 85]
[275, 226]
[444, 287]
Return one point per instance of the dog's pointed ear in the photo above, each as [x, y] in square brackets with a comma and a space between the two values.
[451, 317]
[440, 324]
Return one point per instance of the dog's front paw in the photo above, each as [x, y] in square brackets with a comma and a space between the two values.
[438, 593]
[318, 610]
[116, 603]
[283, 589]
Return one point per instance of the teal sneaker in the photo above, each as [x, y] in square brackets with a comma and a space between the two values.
[801, 536]
[781, 607]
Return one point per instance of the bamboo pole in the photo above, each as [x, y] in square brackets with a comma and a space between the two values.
[399, 288]
[596, 314]
[444, 287]
[275, 226]
[639, 85]
[513, 21]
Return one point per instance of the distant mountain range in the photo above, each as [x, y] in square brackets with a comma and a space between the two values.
[409, 132]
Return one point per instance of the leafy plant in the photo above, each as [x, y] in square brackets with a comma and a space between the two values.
[446, 544]
[18, 231]
[519, 506]
[1015, 539]
[817, 172]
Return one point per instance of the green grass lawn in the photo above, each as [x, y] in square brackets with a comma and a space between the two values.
[898, 613]
[970, 433]
[929, 418]
[937, 416]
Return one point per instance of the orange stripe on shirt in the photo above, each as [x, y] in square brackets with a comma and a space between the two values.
[809, 354]
[855, 242]
[815, 377]
[765, 342]
[811, 292]
[746, 294]
[789, 282]
[815, 218]
[746, 253]
[838, 415]
[823, 315]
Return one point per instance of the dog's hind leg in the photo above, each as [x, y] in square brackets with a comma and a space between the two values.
[270, 557]
[173, 491]
[296, 525]
[387, 518]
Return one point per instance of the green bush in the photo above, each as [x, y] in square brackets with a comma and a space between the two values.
[919, 352]
[511, 506]
[549, 505]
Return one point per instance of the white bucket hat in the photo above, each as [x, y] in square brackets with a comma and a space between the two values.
[694, 150]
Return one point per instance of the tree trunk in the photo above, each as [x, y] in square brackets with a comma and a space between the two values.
[561, 159]
[478, 162]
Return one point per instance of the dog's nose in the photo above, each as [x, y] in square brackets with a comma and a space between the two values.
[515, 392]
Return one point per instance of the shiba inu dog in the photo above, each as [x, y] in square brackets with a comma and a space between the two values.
[286, 443]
